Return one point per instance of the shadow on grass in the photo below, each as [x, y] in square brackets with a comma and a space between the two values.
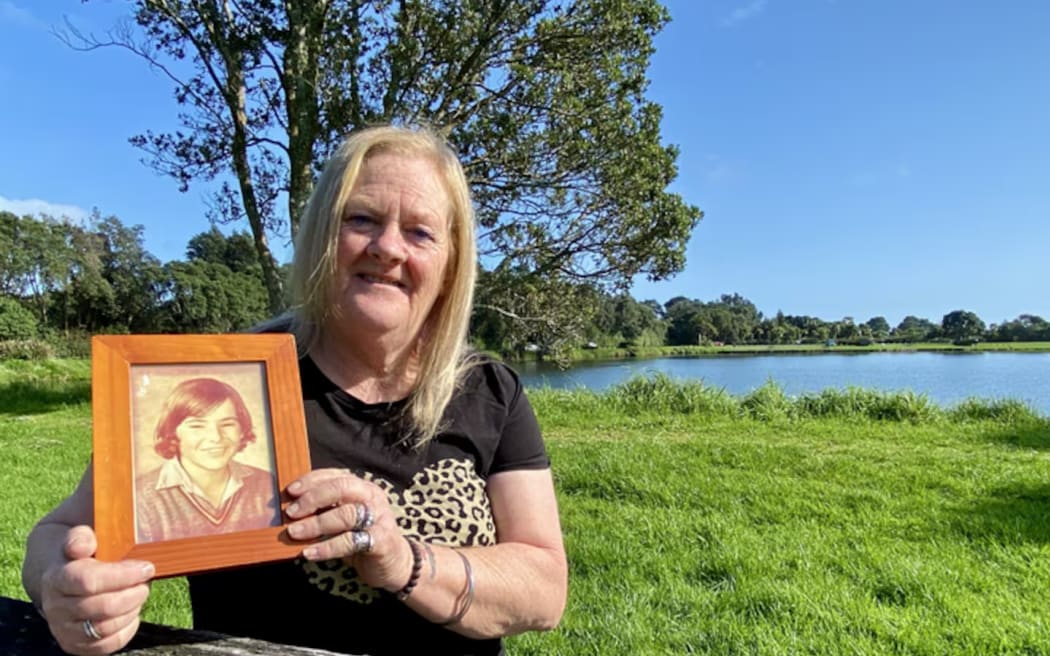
[1012, 514]
[34, 398]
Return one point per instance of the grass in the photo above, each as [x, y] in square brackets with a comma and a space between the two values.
[847, 522]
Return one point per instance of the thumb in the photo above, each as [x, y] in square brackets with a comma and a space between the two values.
[80, 543]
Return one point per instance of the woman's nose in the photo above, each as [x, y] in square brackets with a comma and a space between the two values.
[388, 244]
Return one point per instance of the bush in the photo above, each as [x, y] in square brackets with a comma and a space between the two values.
[868, 404]
[768, 403]
[16, 322]
[1004, 410]
[72, 344]
[25, 349]
[659, 393]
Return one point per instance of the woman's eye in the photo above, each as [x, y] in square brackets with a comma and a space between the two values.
[358, 220]
[422, 234]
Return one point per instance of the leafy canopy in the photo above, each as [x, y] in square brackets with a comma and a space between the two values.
[545, 102]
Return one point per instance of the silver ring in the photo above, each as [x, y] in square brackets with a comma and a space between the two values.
[365, 518]
[90, 630]
[361, 541]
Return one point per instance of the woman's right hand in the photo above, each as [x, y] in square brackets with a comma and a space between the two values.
[81, 588]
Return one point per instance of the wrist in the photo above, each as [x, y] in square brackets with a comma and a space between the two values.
[416, 554]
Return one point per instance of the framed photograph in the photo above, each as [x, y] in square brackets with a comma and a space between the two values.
[196, 437]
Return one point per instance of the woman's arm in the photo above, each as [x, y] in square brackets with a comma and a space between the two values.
[69, 586]
[520, 583]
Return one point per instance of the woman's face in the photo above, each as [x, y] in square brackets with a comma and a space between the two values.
[210, 441]
[393, 247]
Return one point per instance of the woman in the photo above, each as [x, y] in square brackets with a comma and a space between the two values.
[200, 489]
[430, 523]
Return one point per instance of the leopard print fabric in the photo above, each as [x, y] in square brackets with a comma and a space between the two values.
[445, 504]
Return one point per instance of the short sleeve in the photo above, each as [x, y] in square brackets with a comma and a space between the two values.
[521, 444]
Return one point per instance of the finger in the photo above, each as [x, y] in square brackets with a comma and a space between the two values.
[78, 642]
[103, 607]
[344, 545]
[68, 613]
[109, 625]
[341, 518]
[309, 479]
[86, 577]
[326, 493]
[80, 543]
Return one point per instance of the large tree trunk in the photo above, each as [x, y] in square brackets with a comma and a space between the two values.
[300, 78]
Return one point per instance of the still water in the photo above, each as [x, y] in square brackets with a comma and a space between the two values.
[945, 377]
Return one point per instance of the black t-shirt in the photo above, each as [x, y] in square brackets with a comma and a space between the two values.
[438, 493]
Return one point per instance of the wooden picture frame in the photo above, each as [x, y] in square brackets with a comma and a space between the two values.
[144, 388]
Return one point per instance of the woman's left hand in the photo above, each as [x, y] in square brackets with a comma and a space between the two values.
[355, 522]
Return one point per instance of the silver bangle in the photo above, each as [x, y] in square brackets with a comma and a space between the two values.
[467, 596]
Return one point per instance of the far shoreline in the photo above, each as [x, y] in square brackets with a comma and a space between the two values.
[650, 352]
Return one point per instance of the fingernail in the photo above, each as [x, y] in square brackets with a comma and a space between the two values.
[75, 540]
[295, 486]
[296, 530]
[310, 553]
[148, 570]
[293, 508]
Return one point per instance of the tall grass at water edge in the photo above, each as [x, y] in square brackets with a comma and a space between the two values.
[848, 521]
[659, 394]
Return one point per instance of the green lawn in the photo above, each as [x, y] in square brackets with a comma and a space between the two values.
[843, 523]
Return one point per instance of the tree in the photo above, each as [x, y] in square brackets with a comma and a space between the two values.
[631, 318]
[878, 327]
[207, 297]
[683, 315]
[133, 272]
[914, 329]
[961, 324]
[88, 302]
[16, 322]
[35, 259]
[554, 325]
[1025, 328]
[236, 252]
[543, 99]
[655, 307]
[15, 259]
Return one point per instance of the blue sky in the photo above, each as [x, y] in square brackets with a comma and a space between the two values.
[853, 157]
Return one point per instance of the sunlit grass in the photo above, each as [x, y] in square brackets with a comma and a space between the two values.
[848, 521]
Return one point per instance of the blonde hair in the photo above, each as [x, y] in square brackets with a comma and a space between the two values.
[443, 354]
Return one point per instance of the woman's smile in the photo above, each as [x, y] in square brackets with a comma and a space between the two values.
[379, 280]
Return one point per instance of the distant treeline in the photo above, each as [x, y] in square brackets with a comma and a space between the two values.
[61, 281]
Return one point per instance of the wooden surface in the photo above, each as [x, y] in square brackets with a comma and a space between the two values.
[23, 631]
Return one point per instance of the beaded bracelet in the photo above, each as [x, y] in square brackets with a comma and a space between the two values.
[417, 568]
[468, 594]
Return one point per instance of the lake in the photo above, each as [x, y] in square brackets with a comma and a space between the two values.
[946, 378]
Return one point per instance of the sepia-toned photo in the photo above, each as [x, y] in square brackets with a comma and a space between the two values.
[203, 451]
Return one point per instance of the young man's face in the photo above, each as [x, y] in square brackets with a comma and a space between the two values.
[209, 441]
